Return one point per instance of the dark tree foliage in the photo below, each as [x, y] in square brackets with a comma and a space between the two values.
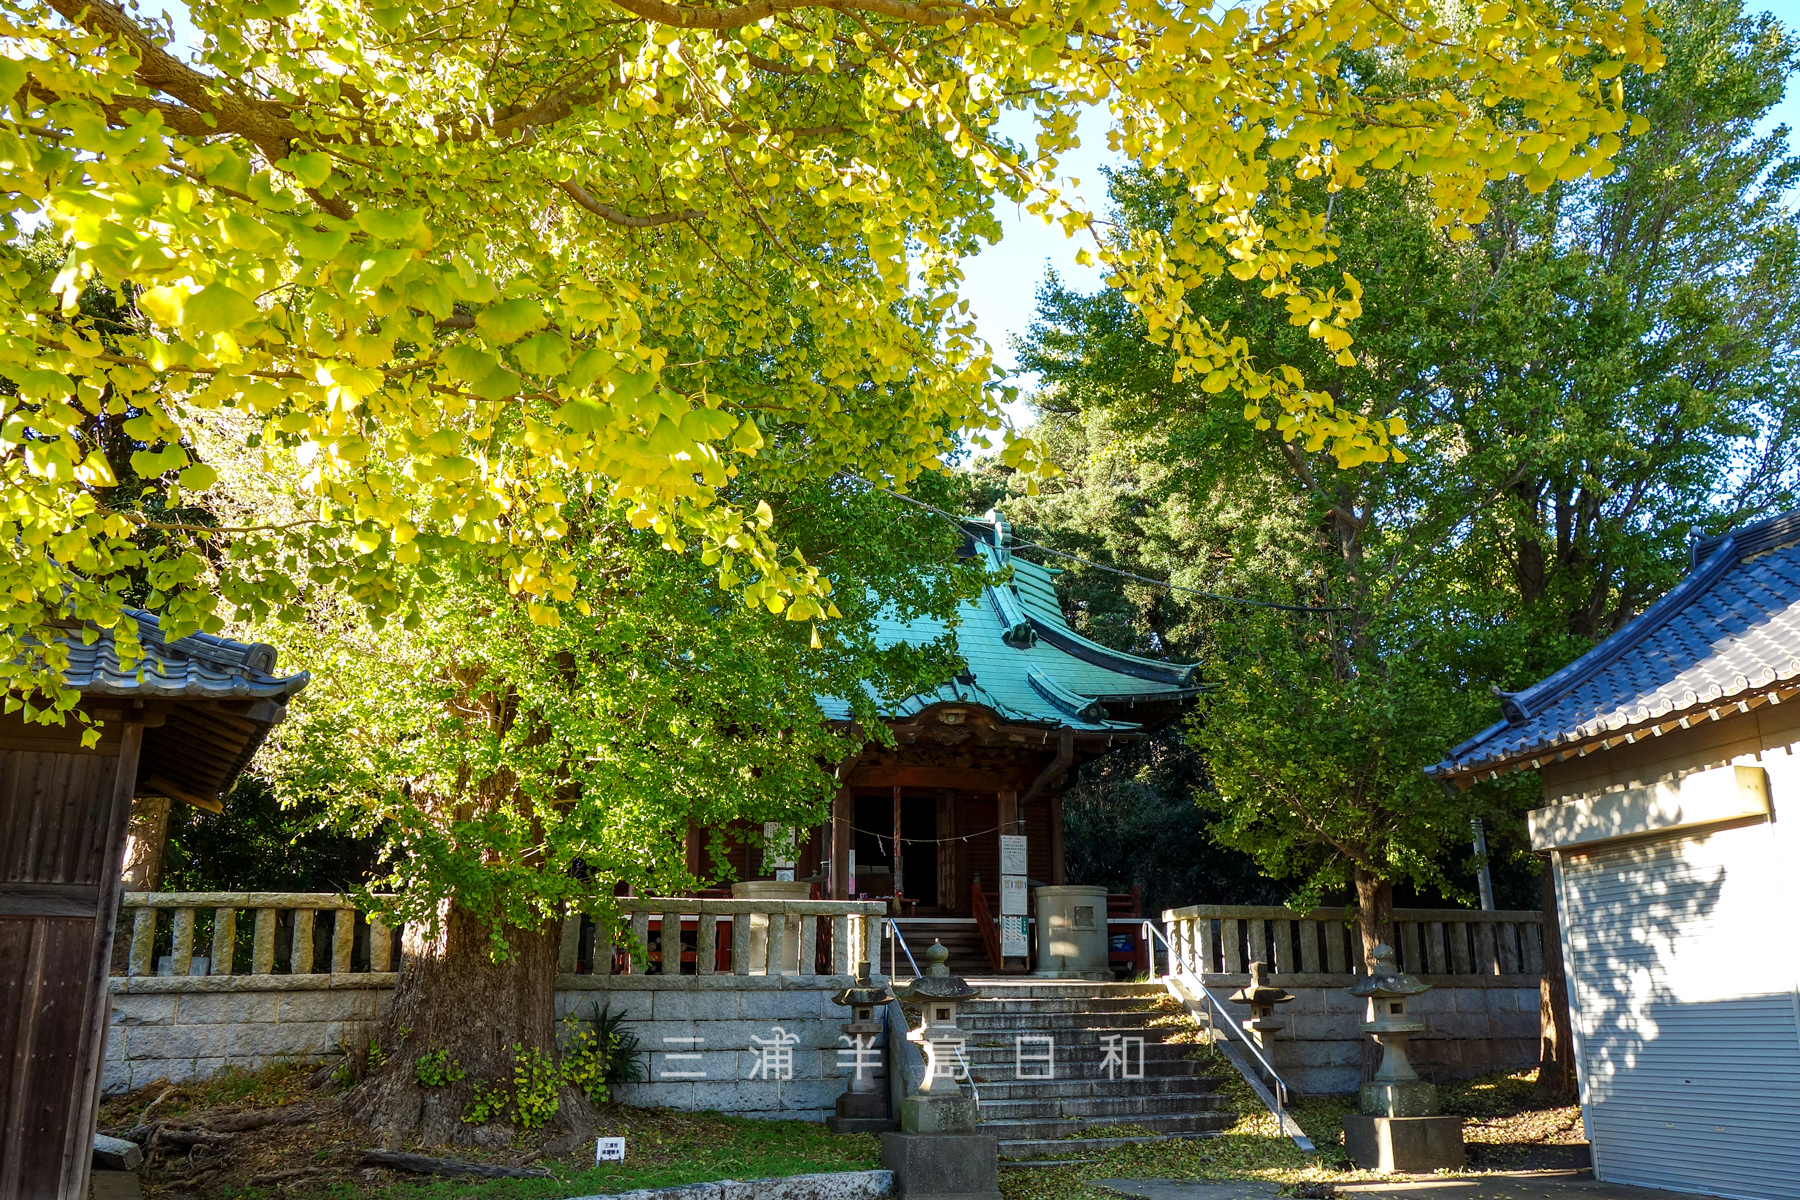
[256, 845]
[1129, 819]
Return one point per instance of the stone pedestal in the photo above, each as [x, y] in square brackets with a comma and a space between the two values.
[1399, 1128]
[1414, 1145]
[859, 1112]
[1411, 1098]
[938, 1113]
[958, 1166]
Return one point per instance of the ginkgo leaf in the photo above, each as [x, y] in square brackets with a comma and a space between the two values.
[163, 304]
[666, 438]
[706, 424]
[148, 464]
[584, 416]
[543, 354]
[511, 319]
[628, 387]
[198, 478]
[216, 308]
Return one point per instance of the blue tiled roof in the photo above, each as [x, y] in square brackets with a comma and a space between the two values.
[199, 665]
[1731, 629]
[1025, 663]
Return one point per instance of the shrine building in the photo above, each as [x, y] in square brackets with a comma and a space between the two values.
[983, 754]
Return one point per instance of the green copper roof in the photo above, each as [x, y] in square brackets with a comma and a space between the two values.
[1024, 661]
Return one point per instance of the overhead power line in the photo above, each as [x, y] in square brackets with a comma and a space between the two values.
[1088, 562]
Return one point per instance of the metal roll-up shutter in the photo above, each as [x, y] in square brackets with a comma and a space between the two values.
[1683, 965]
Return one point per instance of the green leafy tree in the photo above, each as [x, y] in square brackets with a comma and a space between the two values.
[512, 771]
[1604, 371]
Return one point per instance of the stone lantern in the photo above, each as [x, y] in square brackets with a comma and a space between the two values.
[1399, 1128]
[1262, 997]
[940, 1101]
[937, 1155]
[863, 1106]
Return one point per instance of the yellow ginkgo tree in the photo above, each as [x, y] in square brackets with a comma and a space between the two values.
[463, 258]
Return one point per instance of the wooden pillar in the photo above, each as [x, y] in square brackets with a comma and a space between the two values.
[896, 875]
[696, 851]
[843, 813]
[1009, 810]
[946, 850]
[1056, 839]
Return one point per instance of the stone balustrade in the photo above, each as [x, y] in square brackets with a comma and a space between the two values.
[727, 938]
[303, 933]
[1482, 1013]
[291, 933]
[1324, 948]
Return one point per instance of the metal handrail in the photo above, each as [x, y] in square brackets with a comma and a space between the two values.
[1177, 967]
[968, 1074]
[900, 941]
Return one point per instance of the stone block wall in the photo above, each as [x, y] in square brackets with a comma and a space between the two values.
[1472, 1029]
[192, 1027]
[750, 1045]
[754, 1046]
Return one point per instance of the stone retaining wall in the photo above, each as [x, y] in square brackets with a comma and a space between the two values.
[1488, 1024]
[765, 1045]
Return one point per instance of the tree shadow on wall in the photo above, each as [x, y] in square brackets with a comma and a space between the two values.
[1685, 1012]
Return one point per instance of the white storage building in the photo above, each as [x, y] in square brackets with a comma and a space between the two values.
[1667, 755]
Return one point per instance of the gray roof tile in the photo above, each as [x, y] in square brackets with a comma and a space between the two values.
[1730, 628]
[200, 665]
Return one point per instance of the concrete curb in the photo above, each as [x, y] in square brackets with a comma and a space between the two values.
[836, 1185]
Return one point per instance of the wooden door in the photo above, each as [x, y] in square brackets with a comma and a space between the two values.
[63, 817]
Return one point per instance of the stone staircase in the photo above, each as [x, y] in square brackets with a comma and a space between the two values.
[960, 937]
[1078, 1108]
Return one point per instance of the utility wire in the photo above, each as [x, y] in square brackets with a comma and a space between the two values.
[1087, 562]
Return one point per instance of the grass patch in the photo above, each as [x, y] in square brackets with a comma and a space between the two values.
[664, 1149]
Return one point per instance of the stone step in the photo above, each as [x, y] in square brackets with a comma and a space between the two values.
[1123, 1108]
[1027, 1149]
[1083, 1039]
[1005, 1087]
[1089, 1070]
[1153, 1123]
[1044, 1022]
[1026, 1006]
[1026, 988]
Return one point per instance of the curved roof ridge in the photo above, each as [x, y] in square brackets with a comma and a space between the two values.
[1731, 627]
[1056, 630]
[1522, 705]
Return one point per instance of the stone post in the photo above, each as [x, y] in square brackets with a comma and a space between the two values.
[863, 1106]
[937, 1155]
[1399, 1128]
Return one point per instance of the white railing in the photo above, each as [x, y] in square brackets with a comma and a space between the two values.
[894, 955]
[304, 933]
[1222, 939]
[1187, 986]
[287, 935]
